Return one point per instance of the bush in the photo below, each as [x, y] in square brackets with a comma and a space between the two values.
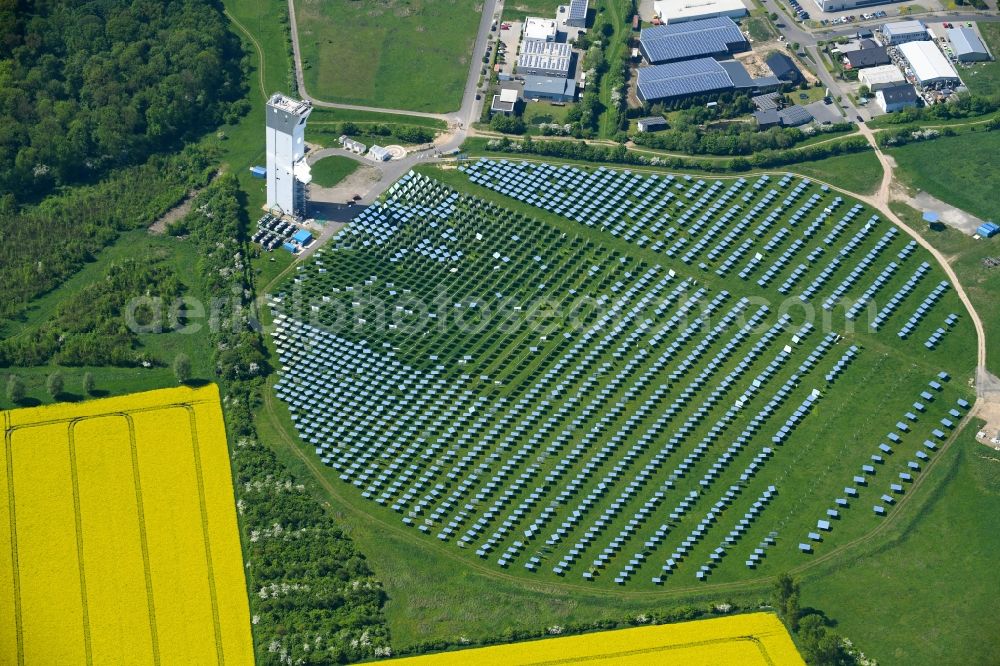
[55, 385]
[182, 368]
[89, 385]
[507, 124]
[15, 389]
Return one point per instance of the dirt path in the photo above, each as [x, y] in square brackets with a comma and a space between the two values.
[880, 201]
[361, 182]
[174, 214]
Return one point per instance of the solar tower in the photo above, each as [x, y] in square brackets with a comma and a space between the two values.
[287, 171]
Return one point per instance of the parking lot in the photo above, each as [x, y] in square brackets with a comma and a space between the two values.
[510, 38]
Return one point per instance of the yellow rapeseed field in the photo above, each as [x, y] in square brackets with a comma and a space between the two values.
[739, 640]
[118, 537]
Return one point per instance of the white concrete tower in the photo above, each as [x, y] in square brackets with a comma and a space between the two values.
[287, 172]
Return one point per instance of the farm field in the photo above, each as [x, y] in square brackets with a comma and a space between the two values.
[634, 403]
[355, 52]
[759, 638]
[121, 520]
[965, 173]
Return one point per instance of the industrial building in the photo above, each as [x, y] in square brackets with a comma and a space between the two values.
[901, 32]
[679, 11]
[540, 28]
[877, 78]
[674, 81]
[287, 171]
[504, 102]
[790, 116]
[541, 58]
[652, 124]
[841, 5]
[967, 45]
[987, 229]
[743, 82]
[714, 37]
[784, 67]
[678, 80]
[576, 16]
[929, 66]
[767, 101]
[551, 88]
[896, 98]
[877, 56]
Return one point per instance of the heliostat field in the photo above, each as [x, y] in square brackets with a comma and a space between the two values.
[629, 379]
[118, 536]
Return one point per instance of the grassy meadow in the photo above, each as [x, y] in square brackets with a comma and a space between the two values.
[394, 55]
[965, 170]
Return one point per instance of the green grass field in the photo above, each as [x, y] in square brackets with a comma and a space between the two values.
[322, 115]
[331, 170]
[544, 112]
[929, 596]
[965, 172]
[966, 256]
[859, 172]
[439, 592]
[367, 54]
[520, 9]
[269, 31]
[759, 28]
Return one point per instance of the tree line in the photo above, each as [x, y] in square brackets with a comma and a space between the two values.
[736, 139]
[618, 154]
[313, 596]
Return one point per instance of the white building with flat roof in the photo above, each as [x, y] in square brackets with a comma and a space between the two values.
[287, 171]
[901, 32]
[929, 66]
[540, 28]
[884, 76]
[678, 11]
[544, 58]
[504, 102]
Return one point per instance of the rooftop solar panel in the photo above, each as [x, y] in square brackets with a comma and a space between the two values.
[693, 39]
[690, 77]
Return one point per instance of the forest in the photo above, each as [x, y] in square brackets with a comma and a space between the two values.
[89, 86]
